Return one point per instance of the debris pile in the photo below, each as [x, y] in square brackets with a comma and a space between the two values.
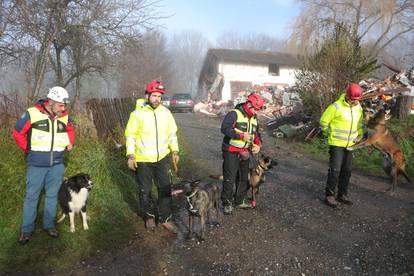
[283, 114]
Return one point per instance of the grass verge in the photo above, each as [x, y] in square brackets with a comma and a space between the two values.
[111, 206]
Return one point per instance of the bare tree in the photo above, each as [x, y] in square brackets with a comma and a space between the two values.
[84, 35]
[378, 23]
[260, 42]
[188, 50]
[143, 60]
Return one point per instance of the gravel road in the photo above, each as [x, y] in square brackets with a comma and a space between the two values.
[291, 232]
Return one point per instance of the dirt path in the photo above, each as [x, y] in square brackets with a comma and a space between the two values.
[290, 232]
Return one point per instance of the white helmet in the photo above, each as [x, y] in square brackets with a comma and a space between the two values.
[58, 94]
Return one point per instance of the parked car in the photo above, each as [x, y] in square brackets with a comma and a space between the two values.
[165, 101]
[181, 102]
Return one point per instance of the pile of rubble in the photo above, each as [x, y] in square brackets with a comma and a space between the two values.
[399, 83]
[283, 114]
[278, 102]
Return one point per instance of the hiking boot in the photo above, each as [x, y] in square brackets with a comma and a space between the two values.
[150, 223]
[228, 210]
[244, 205]
[170, 226]
[24, 238]
[331, 201]
[52, 232]
[344, 200]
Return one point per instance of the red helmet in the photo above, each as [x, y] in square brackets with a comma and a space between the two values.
[256, 100]
[354, 91]
[155, 86]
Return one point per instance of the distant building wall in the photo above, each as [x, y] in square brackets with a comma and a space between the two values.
[254, 73]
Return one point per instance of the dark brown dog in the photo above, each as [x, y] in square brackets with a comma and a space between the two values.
[257, 175]
[381, 139]
[202, 198]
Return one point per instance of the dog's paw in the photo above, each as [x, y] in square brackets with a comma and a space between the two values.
[72, 229]
[214, 224]
[201, 239]
[85, 227]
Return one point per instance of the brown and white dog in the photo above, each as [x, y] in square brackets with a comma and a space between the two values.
[380, 138]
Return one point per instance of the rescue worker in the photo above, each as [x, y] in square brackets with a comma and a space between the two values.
[44, 132]
[342, 123]
[151, 137]
[241, 139]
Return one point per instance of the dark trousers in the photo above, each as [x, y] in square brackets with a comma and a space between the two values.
[340, 168]
[146, 173]
[235, 173]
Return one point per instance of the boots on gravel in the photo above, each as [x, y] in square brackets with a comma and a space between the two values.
[228, 209]
[344, 200]
[331, 201]
[170, 226]
[244, 205]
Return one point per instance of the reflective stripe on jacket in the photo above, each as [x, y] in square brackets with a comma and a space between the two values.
[46, 134]
[342, 123]
[244, 124]
[150, 133]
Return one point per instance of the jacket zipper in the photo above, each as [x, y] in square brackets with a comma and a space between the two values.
[350, 130]
[53, 139]
[156, 134]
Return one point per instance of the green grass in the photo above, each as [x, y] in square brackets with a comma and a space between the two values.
[112, 206]
[370, 159]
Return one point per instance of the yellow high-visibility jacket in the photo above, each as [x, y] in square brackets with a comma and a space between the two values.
[47, 135]
[342, 123]
[244, 124]
[150, 134]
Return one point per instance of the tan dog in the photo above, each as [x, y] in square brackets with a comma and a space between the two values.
[382, 140]
[257, 175]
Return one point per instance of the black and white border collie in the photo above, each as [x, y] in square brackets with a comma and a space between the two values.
[73, 195]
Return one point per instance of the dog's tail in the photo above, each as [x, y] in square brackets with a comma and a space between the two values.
[62, 218]
[218, 177]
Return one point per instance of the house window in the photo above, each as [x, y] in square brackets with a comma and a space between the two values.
[274, 69]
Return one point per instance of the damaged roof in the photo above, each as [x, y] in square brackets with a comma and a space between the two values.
[258, 57]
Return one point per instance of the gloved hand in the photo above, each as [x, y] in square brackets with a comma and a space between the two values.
[255, 148]
[246, 137]
[132, 164]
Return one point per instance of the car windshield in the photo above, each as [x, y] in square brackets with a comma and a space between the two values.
[182, 97]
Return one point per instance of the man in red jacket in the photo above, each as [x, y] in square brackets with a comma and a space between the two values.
[241, 138]
[44, 132]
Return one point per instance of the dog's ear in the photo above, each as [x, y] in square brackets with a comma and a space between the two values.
[195, 183]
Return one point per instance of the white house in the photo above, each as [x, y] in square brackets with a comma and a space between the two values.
[226, 72]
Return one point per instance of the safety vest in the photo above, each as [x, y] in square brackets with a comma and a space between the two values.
[342, 123]
[46, 134]
[244, 124]
[150, 133]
